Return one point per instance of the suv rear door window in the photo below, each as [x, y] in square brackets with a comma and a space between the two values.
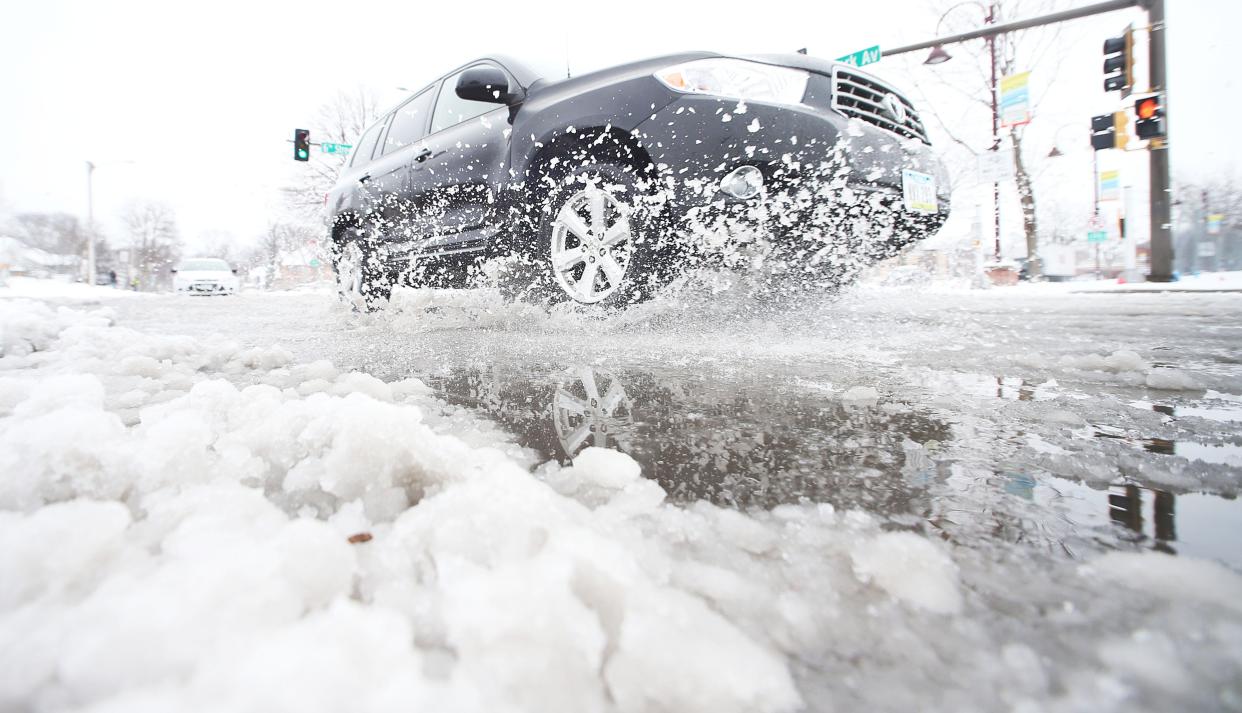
[366, 144]
[452, 109]
[409, 123]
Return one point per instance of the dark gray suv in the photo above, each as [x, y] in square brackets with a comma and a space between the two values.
[598, 188]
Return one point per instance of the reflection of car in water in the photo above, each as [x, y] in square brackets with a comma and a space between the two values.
[762, 444]
[594, 186]
[756, 446]
[204, 276]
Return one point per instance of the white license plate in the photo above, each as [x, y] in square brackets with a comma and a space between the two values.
[918, 191]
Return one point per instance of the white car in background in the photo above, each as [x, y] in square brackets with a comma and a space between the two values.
[205, 276]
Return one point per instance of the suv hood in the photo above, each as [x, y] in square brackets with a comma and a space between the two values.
[818, 65]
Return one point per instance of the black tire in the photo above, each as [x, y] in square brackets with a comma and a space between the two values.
[572, 188]
[361, 279]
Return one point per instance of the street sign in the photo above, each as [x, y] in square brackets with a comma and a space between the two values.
[1096, 232]
[1015, 99]
[1214, 221]
[334, 148]
[1110, 185]
[996, 166]
[871, 55]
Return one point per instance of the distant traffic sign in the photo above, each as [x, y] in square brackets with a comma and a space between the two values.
[871, 55]
[1095, 230]
[334, 148]
[1214, 221]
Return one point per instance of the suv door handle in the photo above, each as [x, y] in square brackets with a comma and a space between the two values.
[422, 155]
[364, 178]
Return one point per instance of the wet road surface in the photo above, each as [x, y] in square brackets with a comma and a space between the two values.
[1032, 417]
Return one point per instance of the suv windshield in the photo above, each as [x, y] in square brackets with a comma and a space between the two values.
[204, 265]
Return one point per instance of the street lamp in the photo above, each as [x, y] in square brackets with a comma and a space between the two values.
[1056, 151]
[940, 56]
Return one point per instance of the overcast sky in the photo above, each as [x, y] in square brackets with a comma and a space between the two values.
[192, 103]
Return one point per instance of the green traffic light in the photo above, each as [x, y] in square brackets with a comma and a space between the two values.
[301, 153]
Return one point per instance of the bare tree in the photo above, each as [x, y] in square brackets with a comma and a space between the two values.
[58, 233]
[154, 242]
[342, 119]
[221, 244]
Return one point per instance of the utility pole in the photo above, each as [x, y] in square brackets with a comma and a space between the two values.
[1158, 154]
[90, 223]
[991, 19]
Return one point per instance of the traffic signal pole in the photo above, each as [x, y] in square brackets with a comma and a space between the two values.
[1158, 154]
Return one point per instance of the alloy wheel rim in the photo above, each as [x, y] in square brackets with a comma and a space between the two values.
[592, 409]
[591, 245]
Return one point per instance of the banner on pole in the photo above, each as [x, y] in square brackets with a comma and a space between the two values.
[1110, 185]
[1015, 99]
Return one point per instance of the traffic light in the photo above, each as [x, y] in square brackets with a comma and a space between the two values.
[1109, 131]
[1102, 132]
[1150, 113]
[301, 145]
[1119, 63]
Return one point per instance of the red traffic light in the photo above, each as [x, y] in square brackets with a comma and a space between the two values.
[1147, 108]
[1150, 113]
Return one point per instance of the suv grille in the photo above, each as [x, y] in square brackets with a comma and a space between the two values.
[862, 97]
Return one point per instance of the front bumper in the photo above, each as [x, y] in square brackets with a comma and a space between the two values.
[833, 191]
[696, 140]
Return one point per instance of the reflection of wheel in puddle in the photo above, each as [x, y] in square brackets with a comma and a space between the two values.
[591, 409]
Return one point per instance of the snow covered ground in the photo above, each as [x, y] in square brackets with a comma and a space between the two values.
[271, 503]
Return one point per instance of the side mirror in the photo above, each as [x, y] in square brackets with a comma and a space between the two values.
[485, 84]
[234, 270]
[173, 271]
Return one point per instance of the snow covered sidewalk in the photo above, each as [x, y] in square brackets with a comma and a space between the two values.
[189, 524]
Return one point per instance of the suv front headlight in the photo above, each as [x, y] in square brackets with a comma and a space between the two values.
[736, 79]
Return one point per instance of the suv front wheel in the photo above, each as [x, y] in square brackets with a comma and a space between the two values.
[361, 280]
[593, 243]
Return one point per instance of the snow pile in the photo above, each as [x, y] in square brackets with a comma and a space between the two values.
[201, 554]
[198, 524]
[911, 569]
